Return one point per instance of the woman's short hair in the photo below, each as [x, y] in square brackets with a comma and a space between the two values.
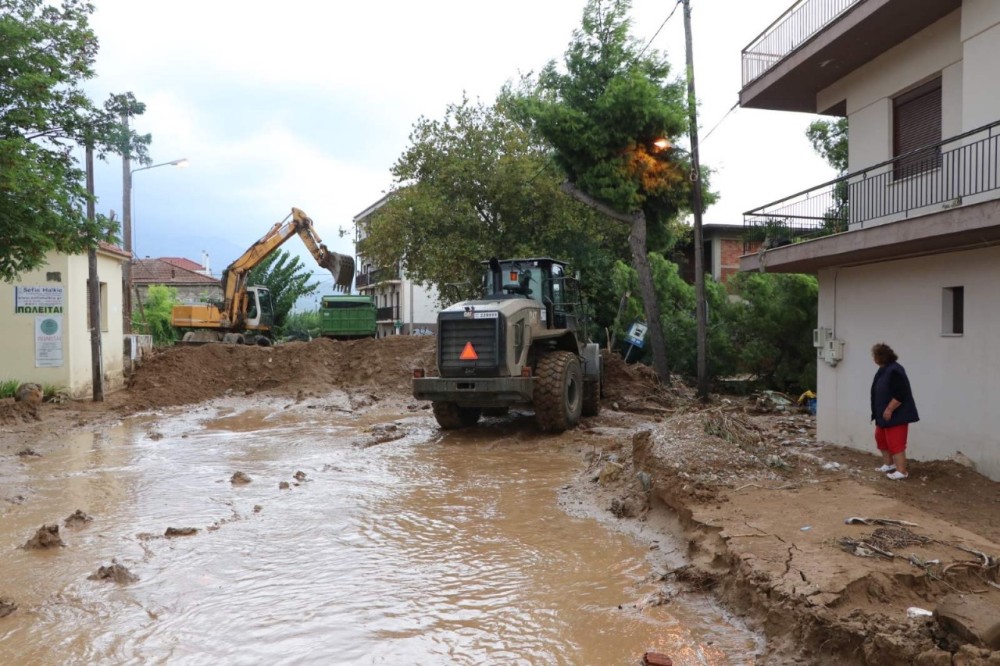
[882, 353]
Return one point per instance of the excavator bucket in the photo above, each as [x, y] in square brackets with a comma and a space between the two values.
[342, 268]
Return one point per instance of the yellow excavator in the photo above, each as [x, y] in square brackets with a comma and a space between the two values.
[246, 314]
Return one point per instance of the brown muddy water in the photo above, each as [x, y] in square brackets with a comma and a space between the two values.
[426, 549]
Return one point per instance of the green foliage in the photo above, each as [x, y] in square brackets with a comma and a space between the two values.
[298, 323]
[474, 185]
[771, 327]
[157, 309]
[47, 52]
[766, 331]
[605, 113]
[829, 139]
[287, 279]
[8, 388]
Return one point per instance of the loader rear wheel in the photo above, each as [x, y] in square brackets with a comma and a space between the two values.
[452, 417]
[591, 398]
[558, 391]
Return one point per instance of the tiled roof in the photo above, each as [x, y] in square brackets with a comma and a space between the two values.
[181, 262]
[110, 248]
[162, 271]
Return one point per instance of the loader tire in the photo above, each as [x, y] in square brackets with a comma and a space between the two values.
[558, 391]
[591, 398]
[452, 417]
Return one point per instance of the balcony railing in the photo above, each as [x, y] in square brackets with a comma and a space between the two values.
[388, 313]
[374, 277]
[790, 31]
[926, 180]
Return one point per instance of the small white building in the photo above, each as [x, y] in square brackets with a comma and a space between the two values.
[402, 306]
[45, 323]
[906, 247]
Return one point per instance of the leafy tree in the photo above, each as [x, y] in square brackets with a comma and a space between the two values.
[478, 184]
[772, 328]
[157, 310]
[47, 51]
[829, 139]
[606, 115]
[287, 279]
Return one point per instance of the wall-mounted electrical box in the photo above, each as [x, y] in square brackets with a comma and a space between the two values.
[828, 349]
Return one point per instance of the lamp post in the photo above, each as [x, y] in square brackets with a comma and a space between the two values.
[127, 225]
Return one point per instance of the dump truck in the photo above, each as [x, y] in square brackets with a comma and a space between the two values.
[518, 345]
[246, 314]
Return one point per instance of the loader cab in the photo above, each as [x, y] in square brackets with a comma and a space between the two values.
[541, 279]
[260, 310]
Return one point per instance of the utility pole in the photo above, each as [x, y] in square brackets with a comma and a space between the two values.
[699, 252]
[94, 292]
[127, 232]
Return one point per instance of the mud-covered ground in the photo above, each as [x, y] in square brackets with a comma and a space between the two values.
[832, 562]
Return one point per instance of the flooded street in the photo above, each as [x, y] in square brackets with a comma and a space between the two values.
[391, 543]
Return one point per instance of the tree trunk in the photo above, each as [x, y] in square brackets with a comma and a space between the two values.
[640, 262]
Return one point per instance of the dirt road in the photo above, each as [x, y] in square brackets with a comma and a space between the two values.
[763, 508]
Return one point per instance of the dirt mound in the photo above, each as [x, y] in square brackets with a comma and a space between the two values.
[12, 412]
[636, 388]
[182, 375]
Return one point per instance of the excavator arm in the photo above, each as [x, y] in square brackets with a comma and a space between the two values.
[234, 278]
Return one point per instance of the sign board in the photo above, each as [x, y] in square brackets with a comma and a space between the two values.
[38, 300]
[636, 334]
[48, 341]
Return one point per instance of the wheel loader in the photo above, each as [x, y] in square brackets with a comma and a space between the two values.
[519, 345]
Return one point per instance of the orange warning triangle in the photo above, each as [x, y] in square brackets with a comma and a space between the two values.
[469, 353]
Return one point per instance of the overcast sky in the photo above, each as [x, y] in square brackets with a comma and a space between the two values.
[308, 103]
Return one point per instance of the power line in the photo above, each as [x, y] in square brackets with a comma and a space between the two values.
[669, 16]
[733, 108]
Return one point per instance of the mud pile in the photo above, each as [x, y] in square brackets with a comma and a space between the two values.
[183, 375]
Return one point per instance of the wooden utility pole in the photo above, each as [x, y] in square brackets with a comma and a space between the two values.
[699, 251]
[94, 292]
[127, 233]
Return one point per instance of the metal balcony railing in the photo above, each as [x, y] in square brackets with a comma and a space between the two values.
[926, 180]
[374, 277]
[790, 31]
[388, 313]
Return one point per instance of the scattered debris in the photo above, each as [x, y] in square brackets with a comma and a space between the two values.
[77, 519]
[180, 531]
[300, 476]
[239, 478]
[878, 521]
[28, 452]
[47, 536]
[116, 572]
[7, 606]
[30, 394]
[284, 485]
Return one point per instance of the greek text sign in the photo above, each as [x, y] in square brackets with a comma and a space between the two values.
[48, 341]
[38, 300]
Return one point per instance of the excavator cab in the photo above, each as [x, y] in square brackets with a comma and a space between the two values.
[260, 309]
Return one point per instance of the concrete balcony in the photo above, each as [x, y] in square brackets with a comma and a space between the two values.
[942, 197]
[818, 42]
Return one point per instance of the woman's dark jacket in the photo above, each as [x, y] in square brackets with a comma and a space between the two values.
[891, 382]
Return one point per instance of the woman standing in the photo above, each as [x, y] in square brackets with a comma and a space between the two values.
[893, 410]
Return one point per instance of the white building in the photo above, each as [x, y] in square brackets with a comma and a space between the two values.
[403, 307]
[915, 262]
[45, 323]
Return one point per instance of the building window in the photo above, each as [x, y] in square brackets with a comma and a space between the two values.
[953, 311]
[104, 307]
[916, 122]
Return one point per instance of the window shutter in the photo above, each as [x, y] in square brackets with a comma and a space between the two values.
[917, 123]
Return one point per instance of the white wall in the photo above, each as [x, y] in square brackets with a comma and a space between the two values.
[954, 378]
[17, 354]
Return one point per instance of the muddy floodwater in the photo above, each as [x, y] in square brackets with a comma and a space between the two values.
[359, 539]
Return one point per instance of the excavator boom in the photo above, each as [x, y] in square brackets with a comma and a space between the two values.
[232, 315]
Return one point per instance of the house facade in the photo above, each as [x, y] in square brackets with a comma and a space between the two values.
[906, 246]
[191, 280]
[45, 324]
[402, 306]
[723, 247]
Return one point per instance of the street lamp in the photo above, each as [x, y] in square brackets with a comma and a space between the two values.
[127, 228]
[127, 201]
